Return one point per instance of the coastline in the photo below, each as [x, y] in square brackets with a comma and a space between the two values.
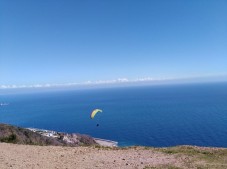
[82, 151]
[70, 138]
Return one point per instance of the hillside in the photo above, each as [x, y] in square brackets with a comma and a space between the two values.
[52, 157]
[18, 135]
[30, 150]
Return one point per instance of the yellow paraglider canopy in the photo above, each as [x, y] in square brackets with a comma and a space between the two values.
[94, 112]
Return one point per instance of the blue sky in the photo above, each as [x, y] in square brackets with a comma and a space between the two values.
[75, 41]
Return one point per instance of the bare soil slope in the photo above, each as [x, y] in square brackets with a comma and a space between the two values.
[52, 157]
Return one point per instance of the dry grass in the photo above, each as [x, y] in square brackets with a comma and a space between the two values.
[200, 157]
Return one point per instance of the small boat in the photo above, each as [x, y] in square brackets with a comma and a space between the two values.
[4, 104]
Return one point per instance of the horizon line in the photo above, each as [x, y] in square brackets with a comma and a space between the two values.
[114, 82]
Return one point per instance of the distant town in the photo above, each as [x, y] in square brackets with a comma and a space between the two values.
[72, 138]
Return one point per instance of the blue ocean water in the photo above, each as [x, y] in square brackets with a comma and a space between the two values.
[159, 116]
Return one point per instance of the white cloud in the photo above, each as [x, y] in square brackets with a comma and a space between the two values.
[144, 79]
[99, 82]
[106, 82]
[122, 80]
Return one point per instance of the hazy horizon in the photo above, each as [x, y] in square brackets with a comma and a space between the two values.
[109, 84]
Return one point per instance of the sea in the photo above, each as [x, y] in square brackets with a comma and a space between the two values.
[153, 115]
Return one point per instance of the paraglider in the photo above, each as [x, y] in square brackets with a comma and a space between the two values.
[94, 112]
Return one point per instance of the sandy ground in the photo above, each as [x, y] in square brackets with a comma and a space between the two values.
[53, 157]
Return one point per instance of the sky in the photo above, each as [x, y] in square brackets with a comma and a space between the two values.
[86, 41]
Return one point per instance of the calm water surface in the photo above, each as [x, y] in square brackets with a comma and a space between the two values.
[159, 116]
